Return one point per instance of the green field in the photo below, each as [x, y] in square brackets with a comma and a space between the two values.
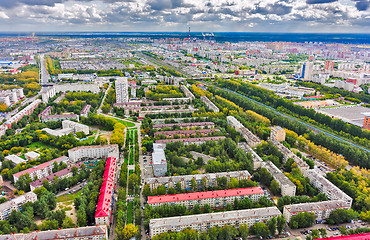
[69, 197]
[130, 211]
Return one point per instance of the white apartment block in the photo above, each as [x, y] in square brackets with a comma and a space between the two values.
[251, 139]
[78, 233]
[88, 152]
[287, 187]
[159, 160]
[121, 85]
[40, 171]
[15, 204]
[321, 210]
[76, 127]
[256, 160]
[202, 222]
[187, 92]
[209, 104]
[185, 180]
[216, 199]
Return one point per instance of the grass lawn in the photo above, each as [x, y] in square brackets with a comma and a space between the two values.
[131, 155]
[69, 197]
[127, 124]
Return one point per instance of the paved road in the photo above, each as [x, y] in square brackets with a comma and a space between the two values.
[102, 101]
[44, 76]
[294, 119]
[73, 189]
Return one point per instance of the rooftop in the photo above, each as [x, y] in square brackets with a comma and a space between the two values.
[201, 139]
[192, 124]
[316, 206]
[205, 195]
[361, 236]
[41, 166]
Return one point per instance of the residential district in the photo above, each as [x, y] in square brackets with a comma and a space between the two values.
[169, 138]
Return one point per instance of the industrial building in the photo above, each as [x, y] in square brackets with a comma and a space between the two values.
[215, 199]
[202, 222]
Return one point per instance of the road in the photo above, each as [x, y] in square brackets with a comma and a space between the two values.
[44, 76]
[294, 119]
[102, 101]
[73, 189]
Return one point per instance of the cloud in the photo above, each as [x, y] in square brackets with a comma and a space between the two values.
[319, 1]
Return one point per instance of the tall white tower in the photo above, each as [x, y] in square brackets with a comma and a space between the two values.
[306, 73]
[121, 90]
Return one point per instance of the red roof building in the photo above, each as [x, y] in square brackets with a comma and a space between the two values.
[215, 199]
[105, 202]
[361, 236]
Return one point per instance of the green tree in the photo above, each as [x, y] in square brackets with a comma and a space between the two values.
[280, 224]
[274, 187]
[271, 224]
[243, 231]
[260, 230]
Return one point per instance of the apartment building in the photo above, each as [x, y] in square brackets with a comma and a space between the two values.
[179, 100]
[65, 173]
[159, 160]
[216, 199]
[85, 111]
[24, 112]
[104, 206]
[46, 111]
[325, 186]
[78, 233]
[55, 118]
[321, 210]
[76, 127]
[251, 139]
[202, 222]
[98, 151]
[187, 92]
[209, 104]
[188, 141]
[121, 90]
[185, 125]
[40, 171]
[256, 160]
[186, 133]
[278, 133]
[15, 204]
[185, 180]
[287, 187]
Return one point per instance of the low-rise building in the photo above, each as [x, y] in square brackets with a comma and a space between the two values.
[57, 133]
[287, 187]
[187, 141]
[256, 160]
[321, 210]
[54, 118]
[185, 125]
[78, 233]
[76, 127]
[32, 155]
[159, 160]
[15, 159]
[41, 170]
[209, 104]
[251, 139]
[85, 111]
[215, 199]
[98, 151]
[202, 222]
[65, 173]
[186, 133]
[15, 204]
[185, 180]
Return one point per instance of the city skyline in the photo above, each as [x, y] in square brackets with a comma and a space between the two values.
[310, 16]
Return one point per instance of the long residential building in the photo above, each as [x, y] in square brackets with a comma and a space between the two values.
[209, 104]
[186, 133]
[40, 171]
[159, 160]
[287, 187]
[55, 118]
[216, 199]
[85, 111]
[251, 139]
[256, 160]
[321, 210]
[98, 151]
[104, 206]
[202, 222]
[187, 141]
[65, 173]
[185, 180]
[187, 92]
[15, 204]
[80, 233]
[185, 125]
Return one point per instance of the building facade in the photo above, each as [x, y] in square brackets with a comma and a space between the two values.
[55, 118]
[76, 127]
[278, 133]
[15, 204]
[287, 187]
[251, 139]
[202, 222]
[215, 199]
[367, 122]
[209, 104]
[121, 86]
[98, 151]
[185, 125]
[187, 141]
[159, 160]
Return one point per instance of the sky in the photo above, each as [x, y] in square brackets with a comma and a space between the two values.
[321, 16]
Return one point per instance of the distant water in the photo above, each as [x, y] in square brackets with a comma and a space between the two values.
[218, 36]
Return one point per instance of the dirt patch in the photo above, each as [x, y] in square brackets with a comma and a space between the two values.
[69, 208]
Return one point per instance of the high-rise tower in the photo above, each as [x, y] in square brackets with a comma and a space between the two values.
[121, 90]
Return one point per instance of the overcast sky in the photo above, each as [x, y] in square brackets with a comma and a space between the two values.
[177, 15]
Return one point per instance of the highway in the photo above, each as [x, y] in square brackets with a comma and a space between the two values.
[294, 119]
